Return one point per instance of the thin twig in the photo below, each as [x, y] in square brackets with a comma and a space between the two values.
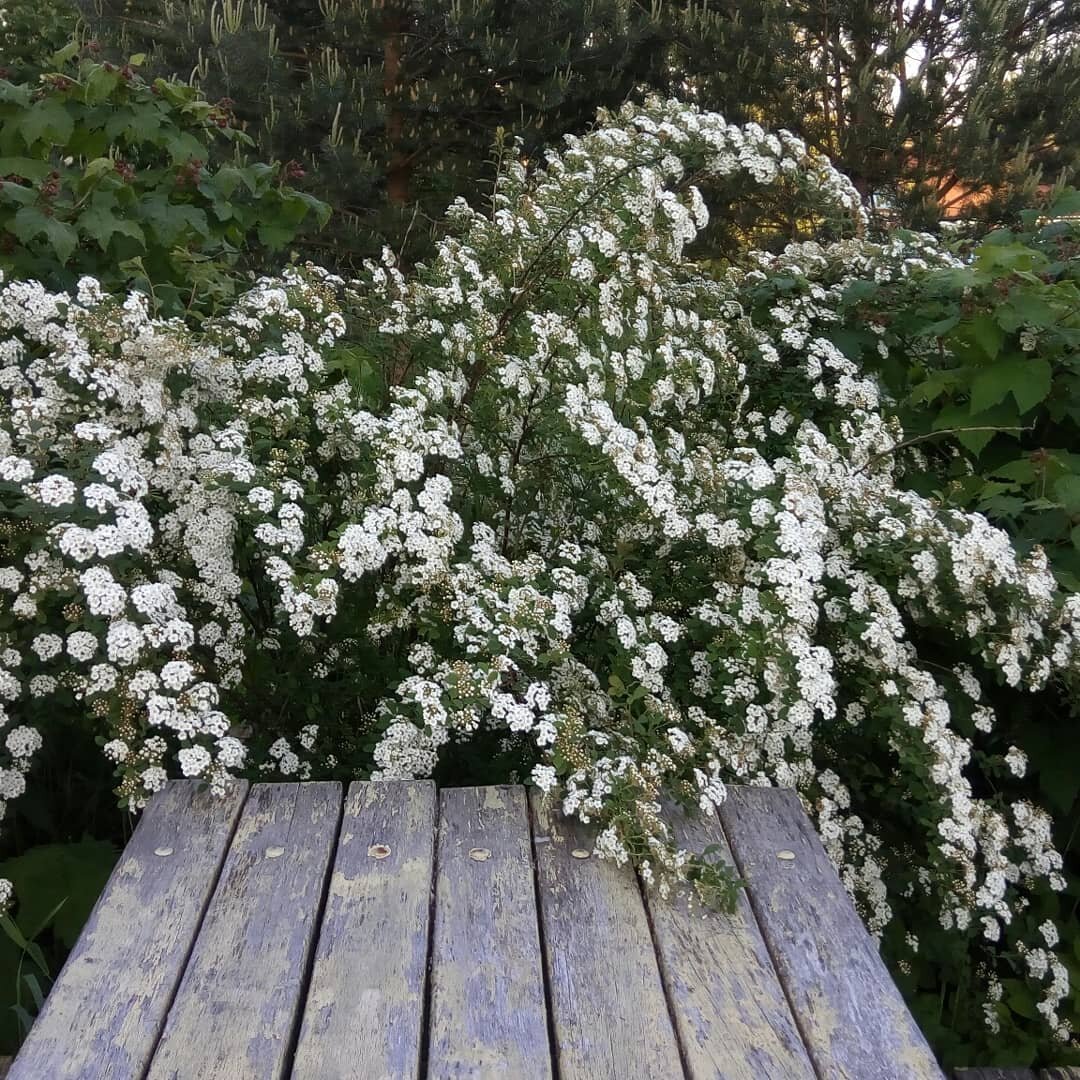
[933, 435]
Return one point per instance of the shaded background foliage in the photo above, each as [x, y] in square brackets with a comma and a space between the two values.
[386, 111]
[933, 107]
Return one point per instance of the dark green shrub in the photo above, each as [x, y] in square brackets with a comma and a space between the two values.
[108, 175]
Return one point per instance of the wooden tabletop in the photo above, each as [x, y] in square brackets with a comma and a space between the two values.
[403, 932]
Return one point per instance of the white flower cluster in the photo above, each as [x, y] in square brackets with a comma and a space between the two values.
[641, 525]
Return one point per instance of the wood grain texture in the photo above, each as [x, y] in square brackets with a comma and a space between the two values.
[851, 1015]
[488, 1016]
[365, 1004]
[107, 1007]
[236, 1006]
[729, 1008]
[609, 1013]
[1061, 1072]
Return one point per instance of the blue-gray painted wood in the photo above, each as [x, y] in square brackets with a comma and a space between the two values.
[106, 1009]
[365, 1004]
[851, 1015]
[608, 1010]
[235, 1010]
[729, 1008]
[488, 1017]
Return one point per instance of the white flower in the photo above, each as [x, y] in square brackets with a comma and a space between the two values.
[194, 760]
[56, 491]
[46, 646]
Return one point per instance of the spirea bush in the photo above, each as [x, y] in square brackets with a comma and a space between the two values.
[641, 529]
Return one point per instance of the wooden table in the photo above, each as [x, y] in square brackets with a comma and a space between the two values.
[404, 932]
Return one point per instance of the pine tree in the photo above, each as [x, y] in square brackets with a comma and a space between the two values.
[939, 107]
[393, 107]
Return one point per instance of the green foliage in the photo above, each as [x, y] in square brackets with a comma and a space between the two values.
[56, 885]
[32, 31]
[107, 175]
[985, 367]
[955, 108]
[983, 363]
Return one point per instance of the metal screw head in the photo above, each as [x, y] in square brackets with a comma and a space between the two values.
[787, 856]
[479, 854]
[580, 853]
[163, 851]
[378, 851]
[274, 852]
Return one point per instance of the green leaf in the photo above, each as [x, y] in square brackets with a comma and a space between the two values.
[1020, 999]
[7, 924]
[30, 222]
[184, 147]
[49, 873]
[99, 167]
[991, 386]
[16, 193]
[1067, 492]
[987, 334]
[1034, 386]
[62, 56]
[101, 224]
[140, 124]
[228, 178]
[1066, 204]
[939, 329]
[36, 993]
[46, 121]
[1022, 471]
[274, 236]
[100, 84]
[15, 93]
[24, 167]
[931, 388]
[1027, 380]
[169, 220]
[26, 1021]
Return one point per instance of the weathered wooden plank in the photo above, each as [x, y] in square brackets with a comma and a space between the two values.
[365, 1003]
[238, 1001]
[729, 1008]
[106, 1009]
[1061, 1072]
[608, 1009]
[488, 1016]
[994, 1074]
[851, 1015]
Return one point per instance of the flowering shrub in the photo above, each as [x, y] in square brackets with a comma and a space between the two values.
[641, 529]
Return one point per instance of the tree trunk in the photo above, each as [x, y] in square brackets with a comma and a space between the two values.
[399, 169]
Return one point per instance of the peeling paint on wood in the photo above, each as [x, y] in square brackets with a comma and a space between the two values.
[608, 1009]
[106, 1009]
[365, 1005]
[791, 986]
[488, 1017]
[852, 1017]
[729, 1008]
[234, 1012]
